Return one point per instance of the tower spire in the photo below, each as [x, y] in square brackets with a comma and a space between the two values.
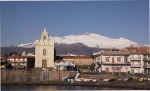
[45, 28]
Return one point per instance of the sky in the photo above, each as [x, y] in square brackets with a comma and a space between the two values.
[23, 22]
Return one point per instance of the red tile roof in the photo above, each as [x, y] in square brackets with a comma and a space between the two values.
[138, 50]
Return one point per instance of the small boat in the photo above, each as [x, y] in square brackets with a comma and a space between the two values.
[94, 80]
[128, 79]
[107, 80]
[148, 79]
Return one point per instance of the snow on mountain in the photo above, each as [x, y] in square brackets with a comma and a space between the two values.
[90, 40]
[94, 40]
[146, 45]
[27, 45]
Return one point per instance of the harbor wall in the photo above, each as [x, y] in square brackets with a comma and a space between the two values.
[104, 76]
[33, 76]
[42, 76]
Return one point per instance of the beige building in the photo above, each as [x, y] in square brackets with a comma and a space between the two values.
[20, 61]
[77, 60]
[44, 51]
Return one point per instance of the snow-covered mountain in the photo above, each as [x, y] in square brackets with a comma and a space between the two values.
[27, 45]
[90, 40]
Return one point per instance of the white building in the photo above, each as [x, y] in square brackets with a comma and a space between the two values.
[44, 51]
[139, 60]
[134, 60]
[114, 61]
[146, 60]
[136, 63]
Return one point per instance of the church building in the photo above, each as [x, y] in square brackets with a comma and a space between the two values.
[44, 51]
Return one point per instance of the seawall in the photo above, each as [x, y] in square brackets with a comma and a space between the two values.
[37, 77]
[33, 76]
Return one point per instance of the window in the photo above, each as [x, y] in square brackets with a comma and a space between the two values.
[44, 51]
[44, 38]
[107, 69]
[125, 58]
[107, 59]
[118, 59]
[113, 60]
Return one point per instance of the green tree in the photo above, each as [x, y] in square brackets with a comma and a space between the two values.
[31, 62]
[5, 57]
[12, 53]
[8, 66]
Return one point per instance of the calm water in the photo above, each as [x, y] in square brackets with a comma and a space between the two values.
[46, 87]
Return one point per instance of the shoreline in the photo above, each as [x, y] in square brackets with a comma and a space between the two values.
[143, 85]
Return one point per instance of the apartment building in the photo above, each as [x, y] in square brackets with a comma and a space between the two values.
[139, 59]
[20, 61]
[114, 61]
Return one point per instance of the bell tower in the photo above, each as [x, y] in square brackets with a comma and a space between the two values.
[44, 35]
[44, 51]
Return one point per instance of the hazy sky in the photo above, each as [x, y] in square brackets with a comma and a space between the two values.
[23, 22]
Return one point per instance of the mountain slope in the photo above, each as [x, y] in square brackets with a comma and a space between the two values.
[61, 49]
[90, 40]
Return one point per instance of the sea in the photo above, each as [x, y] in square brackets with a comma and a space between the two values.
[50, 87]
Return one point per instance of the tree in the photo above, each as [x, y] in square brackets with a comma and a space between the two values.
[97, 66]
[92, 67]
[30, 62]
[8, 66]
[12, 53]
[5, 57]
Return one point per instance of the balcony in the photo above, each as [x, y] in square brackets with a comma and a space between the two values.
[135, 58]
[135, 65]
[146, 65]
[115, 63]
[146, 59]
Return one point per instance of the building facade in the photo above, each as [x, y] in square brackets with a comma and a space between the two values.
[134, 60]
[77, 60]
[146, 60]
[114, 61]
[139, 58]
[44, 51]
[19, 61]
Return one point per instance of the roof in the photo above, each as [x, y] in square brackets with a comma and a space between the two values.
[114, 53]
[76, 57]
[138, 50]
[16, 56]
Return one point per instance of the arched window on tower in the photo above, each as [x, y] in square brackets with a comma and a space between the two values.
[44, 51]
[44, 38]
